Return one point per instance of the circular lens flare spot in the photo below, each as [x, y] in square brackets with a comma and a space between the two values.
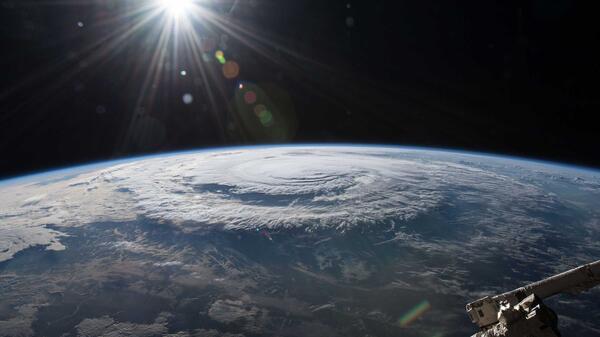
[231, 70]
[265, 116]
[250, 97]
[187, 99]
[259, 109]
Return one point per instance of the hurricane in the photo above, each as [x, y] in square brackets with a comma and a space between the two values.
[336, 188]
[289, 240]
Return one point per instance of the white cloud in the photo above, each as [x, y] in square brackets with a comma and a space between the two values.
[312, 188]
[168, 264]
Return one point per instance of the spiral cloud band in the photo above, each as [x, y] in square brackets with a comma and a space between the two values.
[276, 188]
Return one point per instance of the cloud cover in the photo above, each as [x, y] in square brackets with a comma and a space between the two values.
[280, 187]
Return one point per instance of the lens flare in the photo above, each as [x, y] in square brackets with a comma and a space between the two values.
[176, 7]
[231, 70]
[415, 313]
[250, 97]
[220, 56]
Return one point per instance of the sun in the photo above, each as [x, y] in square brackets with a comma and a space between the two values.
[176, 7]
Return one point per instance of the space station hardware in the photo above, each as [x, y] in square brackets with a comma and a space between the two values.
[522, 313]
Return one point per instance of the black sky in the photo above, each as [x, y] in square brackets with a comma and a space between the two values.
[510, 77]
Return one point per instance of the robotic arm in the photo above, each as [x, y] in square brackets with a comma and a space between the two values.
[521, 312]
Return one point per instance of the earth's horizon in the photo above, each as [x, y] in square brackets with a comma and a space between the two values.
[295, 240]
[89, 165]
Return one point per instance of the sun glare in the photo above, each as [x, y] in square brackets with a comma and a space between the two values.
[176, 7]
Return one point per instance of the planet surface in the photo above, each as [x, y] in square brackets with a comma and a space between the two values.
[290, 241]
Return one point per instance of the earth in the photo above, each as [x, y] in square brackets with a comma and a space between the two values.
[290, 241]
